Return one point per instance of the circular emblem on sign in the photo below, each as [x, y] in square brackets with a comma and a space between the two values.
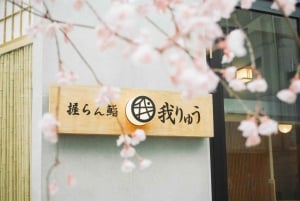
[140, 110]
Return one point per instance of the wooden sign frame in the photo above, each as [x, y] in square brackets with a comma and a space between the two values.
[79, 114]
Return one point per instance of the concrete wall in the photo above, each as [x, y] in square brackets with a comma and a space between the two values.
[181, 166]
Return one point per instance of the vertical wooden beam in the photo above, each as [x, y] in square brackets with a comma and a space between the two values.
[4, 23]
[13, 21]
[21, 19]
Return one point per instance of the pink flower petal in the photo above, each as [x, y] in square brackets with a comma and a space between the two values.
[246, 4]
[295, 86]
[237, 85]
[268, 126]
[127, 151]
[248, 127]
[253, 140]
[145, 163]
[127, 166]
[53, 188]
[287, 96]
[257, 85]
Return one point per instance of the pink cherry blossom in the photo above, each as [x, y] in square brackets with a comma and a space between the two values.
[123, 139]
[197, 82]
[295, 85]
[201, 64]
[237, 85]
[248, 127]
[163, 5]
[71, 182]
[217, 9]
[51, 29]
[268, 126]
[105, 38]
[37, 28]
[107, 95]
[246, 4]
[53, 188]
[144, 37]
[73, 77]
[77, 4]
[145, 163]
[67, 27]
[229, 73]
[235, 43]
[64, 78]
[288, 6]
[127, 151]
[202, 32]
[127, 166]
[121, 16]
[48, 125]
[138, 136]
[253, 140]
[257, 85]
[143, 9]
[144, 54]
[226, 7]
[286, 95]
[185, 12]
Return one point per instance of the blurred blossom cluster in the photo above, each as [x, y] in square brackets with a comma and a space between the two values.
[128, 151]
[195, 30]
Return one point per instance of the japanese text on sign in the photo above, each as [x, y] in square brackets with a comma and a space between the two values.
[75, 109]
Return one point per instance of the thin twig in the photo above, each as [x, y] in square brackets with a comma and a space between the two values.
[174, 20]
[128, 40]
[169, 38]
[82, 58]
[40, 14]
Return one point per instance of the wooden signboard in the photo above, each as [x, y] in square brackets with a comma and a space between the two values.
[159, 113]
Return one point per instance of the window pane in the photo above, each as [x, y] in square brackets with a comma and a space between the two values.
[2, 7]
[251, 170]
[9, 9]
[17, 23]
[1, 31]
[8, 29]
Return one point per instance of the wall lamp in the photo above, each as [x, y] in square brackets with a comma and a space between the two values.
[285, 128]
[245, 74]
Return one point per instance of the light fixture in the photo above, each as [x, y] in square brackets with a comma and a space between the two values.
[285, 128]
[245, 74]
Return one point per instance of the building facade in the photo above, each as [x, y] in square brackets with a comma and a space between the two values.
[215, 169]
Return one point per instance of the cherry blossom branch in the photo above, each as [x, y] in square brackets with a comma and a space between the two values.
[58, 53]
[82, 58]
[56, 162]
[169, 38]
[53, 166]
[126, 39]
[40, 14]
[174, 20]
